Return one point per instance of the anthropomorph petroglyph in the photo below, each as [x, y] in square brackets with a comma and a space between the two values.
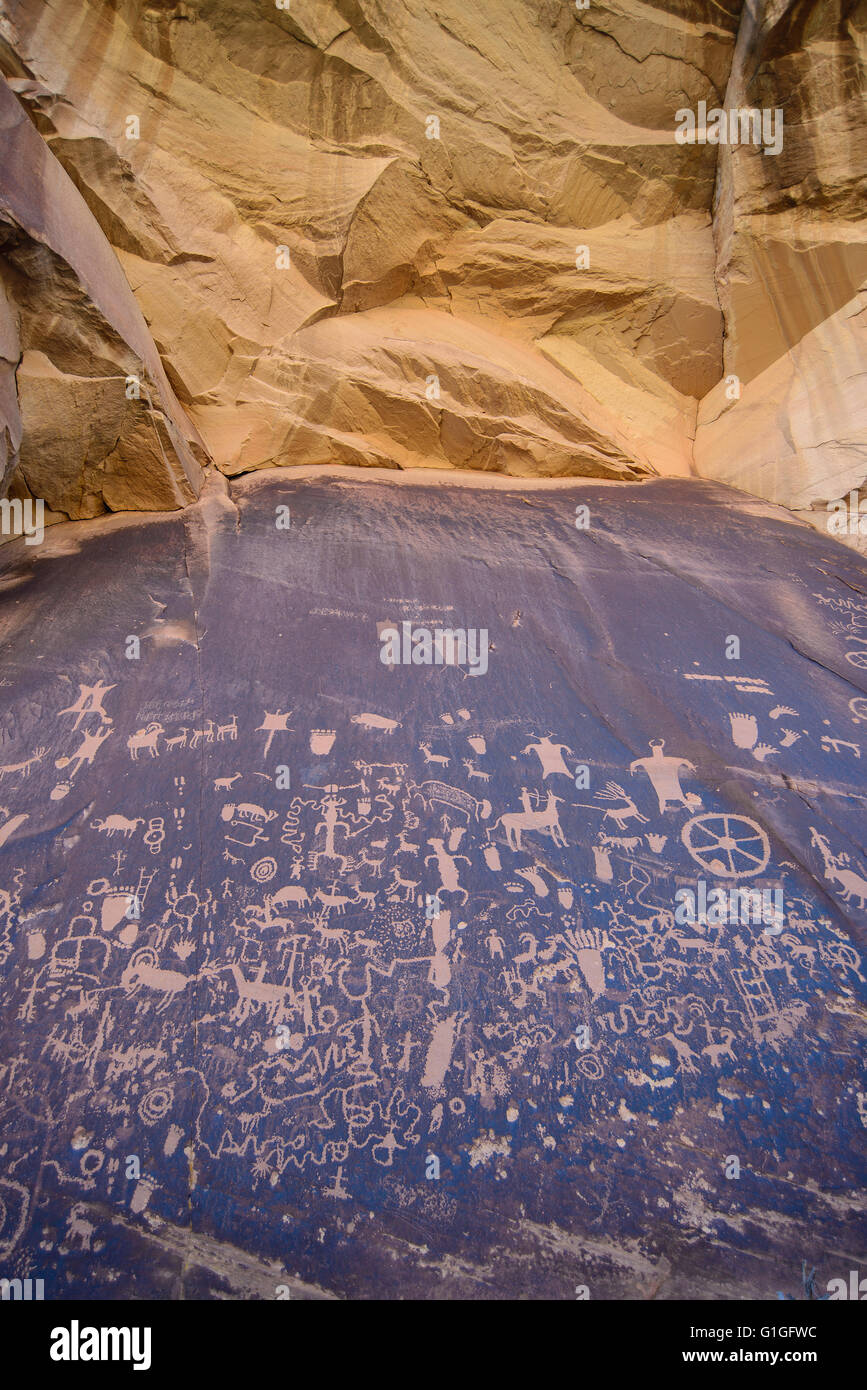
[550, 755]
[664, 773]
[276, 723]
[90, 698]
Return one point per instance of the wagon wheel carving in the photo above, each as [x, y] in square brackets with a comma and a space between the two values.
[727, 846]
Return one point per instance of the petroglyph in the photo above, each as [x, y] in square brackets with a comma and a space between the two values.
[277, 998]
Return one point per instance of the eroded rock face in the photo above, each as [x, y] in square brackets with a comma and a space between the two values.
[10, 414]
[792, 264]
[356, 233]
[375, 980]
[430, 311]
[77, 436]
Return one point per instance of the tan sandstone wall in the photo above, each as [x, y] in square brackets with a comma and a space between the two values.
[353, 230]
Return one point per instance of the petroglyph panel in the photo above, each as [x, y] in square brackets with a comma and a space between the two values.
[282, 924]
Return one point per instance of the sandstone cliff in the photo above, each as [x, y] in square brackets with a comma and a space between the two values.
[792, 264]
[81, 353]
[355, 231]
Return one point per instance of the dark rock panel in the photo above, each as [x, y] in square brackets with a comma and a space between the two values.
[241, 1048]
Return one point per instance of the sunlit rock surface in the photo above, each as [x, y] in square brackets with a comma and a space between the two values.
[459, 238]
[241, 1052]
[792, 266]
[431, 178]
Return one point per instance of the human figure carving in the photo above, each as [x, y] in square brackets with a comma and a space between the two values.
[664, 773]
[550, 755]
[447, 864]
